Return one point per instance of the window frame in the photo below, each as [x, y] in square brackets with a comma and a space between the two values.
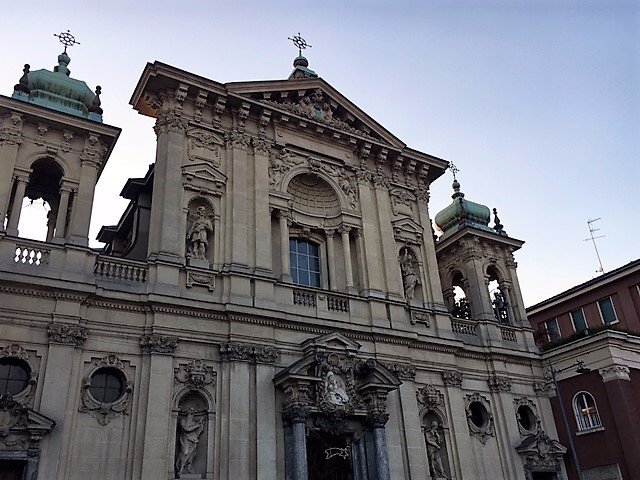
[613, 307]
[21, 365]
[546, 329]
[321, 243]
[595, 422]
[116, 373]
[584, 318]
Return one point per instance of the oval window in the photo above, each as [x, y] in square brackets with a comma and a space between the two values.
[526, 417]
[107, 385]
[479, 416]
[14, 376]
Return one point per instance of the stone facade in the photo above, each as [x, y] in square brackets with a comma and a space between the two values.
[199, 344]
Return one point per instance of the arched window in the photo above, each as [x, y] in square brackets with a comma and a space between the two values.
[586, 411]
[304, 257]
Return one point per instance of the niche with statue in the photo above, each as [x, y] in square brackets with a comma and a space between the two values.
[199, 234]
[192, 437]
[410, 270]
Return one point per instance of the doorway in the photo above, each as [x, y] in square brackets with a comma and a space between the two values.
[11, 470]
[543, 476]
[328, 457]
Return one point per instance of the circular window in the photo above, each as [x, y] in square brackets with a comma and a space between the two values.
[107, 385]
[479, 416]
[526, 417]
[14, 376]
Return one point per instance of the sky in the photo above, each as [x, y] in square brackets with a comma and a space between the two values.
[536, 102]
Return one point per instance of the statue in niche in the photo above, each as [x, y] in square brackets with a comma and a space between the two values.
[500, 307]
[198, 233]
[190, 429]
[409, 277]
[434, 451]
[336, 390]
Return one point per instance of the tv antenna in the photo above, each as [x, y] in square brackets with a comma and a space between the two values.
[592, 239]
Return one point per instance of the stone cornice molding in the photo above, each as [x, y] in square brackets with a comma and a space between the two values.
[614, 372]
[155, 343]
[246, 352]
[63, 334]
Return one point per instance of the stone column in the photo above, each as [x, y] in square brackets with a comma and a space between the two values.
[156, 434]
[517, 306]
[294, 418]
[433, 287]
[361, 260]
[331, 259]
[378, 439]
[10, 139]
[60, 378]
[285, 267]
[346, 249]
[372, 245]
[262, 149]
[16, 208]
[463, 465]
[505, 289]
[61, 217]
[83, 204]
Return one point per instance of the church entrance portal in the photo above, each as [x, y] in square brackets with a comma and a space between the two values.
[328, 457]
[11, 470]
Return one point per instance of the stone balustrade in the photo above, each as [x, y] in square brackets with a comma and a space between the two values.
[31, 253]
[464, 327]
[120, 269]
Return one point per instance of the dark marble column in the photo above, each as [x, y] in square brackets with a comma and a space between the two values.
[294, 418]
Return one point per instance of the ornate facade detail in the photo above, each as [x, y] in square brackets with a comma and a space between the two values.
[526, 416]
[235, 351]
[170, 122]
[262, 146]
[201, 103]
[22, 428]
[202, 145]
[430, 397]
[423, 194]
[67, 334]
[156, 343]
[201, 280]
[295, 413]
[316, 107]
[404, 371]
[93, 151]
[541, 453]
[499, 384]
[237, 139]
[452, 378]
[399, 198]
[41, 138]
[420, 317]
[615, 372]
[11, 131]
[545, 389]
[363, 176]
[279, 164]
[16, 351]
[195, 374]
[105, 412]
[479, 417]
[67, 136]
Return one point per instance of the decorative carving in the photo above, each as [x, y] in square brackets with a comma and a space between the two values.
[430, 397]
[105, 412]
[615, 372]
[316, 107]
[198, 233]
[408, 266]
[67, 334]
[67, 136]
[422, 194]
[479, 417]
[377, 419]
[21, 428]
[279, 164]
[11, 131]
[190, 429]
[42, 132]
[201, 102]
[261, 146]
[420, 317]
[526, 414]
[171, 122]
[201, 279]
[363, 176]
[541, 453]
[218, 110]
[93, 151]
[499, 384]
[156, 343]
[404, 371]
[545, 389]
[234, 351]
[195, 374]
[237, 139]
[435, 444]
[202, 145]
[399, 197]
[14, 350]
[452, 378]
[295, 413]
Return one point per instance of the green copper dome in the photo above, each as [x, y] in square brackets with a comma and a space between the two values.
[462, 213]
[58, 91]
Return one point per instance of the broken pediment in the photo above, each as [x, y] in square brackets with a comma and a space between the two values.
[407, 230]
[316, 100]
[20, 425]
[203, 177]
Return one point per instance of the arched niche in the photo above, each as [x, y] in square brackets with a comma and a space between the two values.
[437, 441]
[458, 299]
[202, 237]
[193, 427]
[411, 269]
[498, 293]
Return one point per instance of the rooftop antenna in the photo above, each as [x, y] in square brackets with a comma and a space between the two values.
[592, 239]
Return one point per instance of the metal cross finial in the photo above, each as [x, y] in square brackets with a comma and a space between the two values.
[453, 169]
[66, 39]
[299, 42]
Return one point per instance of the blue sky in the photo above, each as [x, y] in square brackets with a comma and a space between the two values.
[536, 102]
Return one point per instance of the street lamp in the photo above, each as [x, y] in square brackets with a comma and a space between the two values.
[579, 368]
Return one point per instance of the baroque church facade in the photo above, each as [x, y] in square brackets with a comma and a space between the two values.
[272, 304]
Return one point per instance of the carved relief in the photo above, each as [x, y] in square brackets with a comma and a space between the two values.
[104, 412]
[452, 378]
[235, 351]
[546, 389]
[526, 416]
[420, 317]
[200, 230]
[94, 150]
[67, 334]
[402, 201]
[11, 131]
[499, 384]
[195, 374]
[237, 139]
[203, 145]
[409, 269]
[430, 397]
[67, 136]
[156, 343]
[404, 371]
[201, 280]
[279, 164]
[615, 372]
[171, 122]
[42, 134]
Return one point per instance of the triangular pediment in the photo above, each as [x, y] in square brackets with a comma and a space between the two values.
[315, 100]
[407, 230]
[203, 176]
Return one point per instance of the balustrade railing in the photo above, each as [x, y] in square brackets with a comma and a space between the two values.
[304, 298]
[509, 335]
[120, 269]
[337, 304]
[462, 327]
[31, 255]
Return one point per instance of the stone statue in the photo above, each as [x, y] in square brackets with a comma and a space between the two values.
[190, 429]
[336, 390]
[198, 233]
[409, 277]
[434, 447]
[500, 307]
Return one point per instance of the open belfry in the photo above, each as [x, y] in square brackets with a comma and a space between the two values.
[272, 304]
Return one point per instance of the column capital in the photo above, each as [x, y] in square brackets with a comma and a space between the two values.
[295, 413]
[63, 334]
[329, 233]
[156, 343]
[244, 352]
[342, 229]
[614, 372]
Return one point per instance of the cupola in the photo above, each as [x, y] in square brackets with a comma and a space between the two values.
[462, 213]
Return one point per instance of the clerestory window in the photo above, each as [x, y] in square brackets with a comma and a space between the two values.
[586, 411]
[304, 258]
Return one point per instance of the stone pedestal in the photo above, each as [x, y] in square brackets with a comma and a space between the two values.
[189, 476]
[199, 263]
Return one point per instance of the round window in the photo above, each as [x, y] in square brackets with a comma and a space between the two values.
[479, 416]
[14, 376]
[526, 417]
[107, 385]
